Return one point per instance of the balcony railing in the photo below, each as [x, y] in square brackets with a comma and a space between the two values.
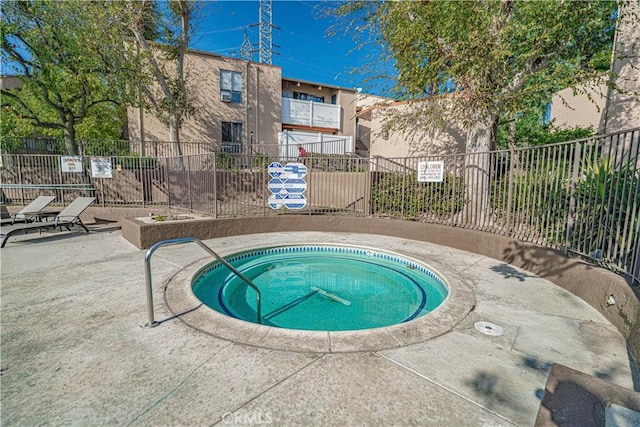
[309, 113]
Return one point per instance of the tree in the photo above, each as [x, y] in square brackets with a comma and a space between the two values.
[164, 88]
[69, 57]
[492, 56]
[105, 122]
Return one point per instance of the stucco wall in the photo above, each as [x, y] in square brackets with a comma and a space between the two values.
[418, 138]
[259, 111]
[623, 109]
[346, 98]
[582, 108]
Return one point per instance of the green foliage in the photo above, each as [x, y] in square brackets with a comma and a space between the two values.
[497, 57]
[229, 161]
[539, 201]
[551, 135]
[418, 199]
[70, 58]
[102, 122]
[607, 198]
[530, 134]
[105, 121]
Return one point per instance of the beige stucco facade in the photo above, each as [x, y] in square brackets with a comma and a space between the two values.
[344, 97]
[622, 110]
[258, 110]
[417, 140]
[582, 107]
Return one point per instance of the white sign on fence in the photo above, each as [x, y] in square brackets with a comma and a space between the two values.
[431, 171]
[71, 164]
[287, 185]
[101, 167]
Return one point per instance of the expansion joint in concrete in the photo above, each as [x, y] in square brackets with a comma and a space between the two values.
[177, 387]
[447, 389]
[276, 384]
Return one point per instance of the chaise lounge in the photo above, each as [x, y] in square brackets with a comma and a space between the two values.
[67, 218]
[31, 211]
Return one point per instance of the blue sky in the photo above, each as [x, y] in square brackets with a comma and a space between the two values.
[306, 52]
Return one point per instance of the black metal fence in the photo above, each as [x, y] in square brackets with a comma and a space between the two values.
[581, 197]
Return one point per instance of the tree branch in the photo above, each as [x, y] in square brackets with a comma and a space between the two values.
[31, 115]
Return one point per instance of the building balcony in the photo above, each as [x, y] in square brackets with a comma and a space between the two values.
[310, 115]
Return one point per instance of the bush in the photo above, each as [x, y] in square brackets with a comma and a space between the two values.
[607, 211]
[420, 199]
[539, 202]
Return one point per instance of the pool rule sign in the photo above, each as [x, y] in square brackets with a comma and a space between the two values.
[287, 185]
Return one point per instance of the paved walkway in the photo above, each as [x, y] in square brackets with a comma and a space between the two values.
[75, 351]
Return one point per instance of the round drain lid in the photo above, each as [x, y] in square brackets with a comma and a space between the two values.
[489, 328]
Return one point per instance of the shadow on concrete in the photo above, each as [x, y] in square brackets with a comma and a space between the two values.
[509, 272]
[486, 387]
[55, 235]
[539, 260]
[536, 364]
[635, 370]
[178, 315]
[573, 398]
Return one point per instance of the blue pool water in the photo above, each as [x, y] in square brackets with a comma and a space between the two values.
[323, 288]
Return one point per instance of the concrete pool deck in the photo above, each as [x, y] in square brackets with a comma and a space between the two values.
[75, 350]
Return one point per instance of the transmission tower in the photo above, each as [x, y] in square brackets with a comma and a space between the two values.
[245, 48]
[266, 26]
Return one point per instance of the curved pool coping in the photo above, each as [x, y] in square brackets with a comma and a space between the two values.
[181, 301]
[591, 283]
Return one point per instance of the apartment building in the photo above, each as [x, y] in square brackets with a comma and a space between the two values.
[248, 107]
[320, 117]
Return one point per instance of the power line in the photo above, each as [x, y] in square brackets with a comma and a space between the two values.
[224, 30]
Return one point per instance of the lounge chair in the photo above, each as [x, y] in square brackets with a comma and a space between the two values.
[31, 211]
[67, 218]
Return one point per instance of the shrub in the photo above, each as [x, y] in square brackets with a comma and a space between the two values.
[607, 211]
[419, 199]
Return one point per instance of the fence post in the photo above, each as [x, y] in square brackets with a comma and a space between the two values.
[215, 185]
[168, 181]
[60, 178]
[404, 179]
[453, 190]
[20, 180]
[142, 183]
[572, 197]
[510, 190]
[189, 184]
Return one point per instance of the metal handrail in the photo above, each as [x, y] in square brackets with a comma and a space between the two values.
[147, 260]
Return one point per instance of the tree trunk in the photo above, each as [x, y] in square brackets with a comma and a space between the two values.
[174, 135]
[477, 171]
[511, 142]
[70, 138]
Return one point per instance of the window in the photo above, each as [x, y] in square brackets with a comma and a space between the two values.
[306, 97]
[231, 86]
[231, 137]
[334, 99]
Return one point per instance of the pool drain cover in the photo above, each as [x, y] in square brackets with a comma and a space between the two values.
[489, 328]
